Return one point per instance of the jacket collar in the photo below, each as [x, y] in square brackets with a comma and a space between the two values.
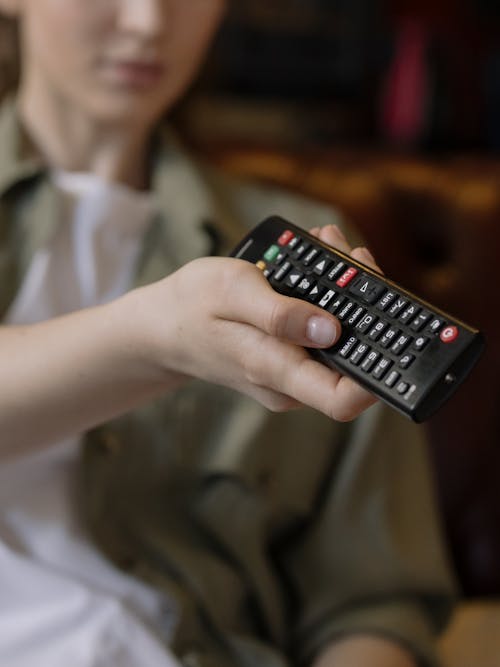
[19, 159]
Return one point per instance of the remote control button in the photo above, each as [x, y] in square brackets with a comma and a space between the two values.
[351, 321]
[336, 304]
[280, 257]
[401, 344]
[381, 368]
[327, 298]
[435, 325]
[267, 273]
[386, 300]
[345, 310]
[305, 285]
[378, 330]
[260, 264]
[316, 293]
[294, 242]
[286, 237]
[322, 266]
[293, 278]
[301, 249]
[420, 343]
[347, 276]
[409, 313]
[282, 271]
[370, 361]
[347, 346]
[392, 378]
[402, 387]
[406, 361]
[421, 320]
[397, 306]
[336, 270]
[367, 321]
[449, 334]
[358, 353]
[367, 289]
[310, 256]
[389, 337]
[271, 253]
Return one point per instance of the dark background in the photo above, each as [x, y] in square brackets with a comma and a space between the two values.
[340, 71]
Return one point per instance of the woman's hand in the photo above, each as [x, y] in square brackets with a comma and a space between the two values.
[219, 320]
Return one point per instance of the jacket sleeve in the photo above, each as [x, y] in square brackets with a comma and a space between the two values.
[371, 559]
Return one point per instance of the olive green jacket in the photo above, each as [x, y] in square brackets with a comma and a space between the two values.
[275, 534]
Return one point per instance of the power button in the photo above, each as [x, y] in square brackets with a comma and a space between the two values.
[449, 334]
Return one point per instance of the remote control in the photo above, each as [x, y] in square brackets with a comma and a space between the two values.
[407, 352]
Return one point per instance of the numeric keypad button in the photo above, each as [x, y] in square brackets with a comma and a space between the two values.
[401, 344]
[397, 306]
[420, 342]
[409, 313]
[370, 361]
[381, 368]
[389, 337]
[378, 330]
[358, 354]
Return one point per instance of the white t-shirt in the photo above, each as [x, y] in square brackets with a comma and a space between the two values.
[62, 603]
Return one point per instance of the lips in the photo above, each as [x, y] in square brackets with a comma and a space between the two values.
[136, 73]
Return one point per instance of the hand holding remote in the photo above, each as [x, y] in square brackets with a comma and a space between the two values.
[222, 322]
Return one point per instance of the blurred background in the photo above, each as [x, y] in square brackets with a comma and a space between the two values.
[390, 111]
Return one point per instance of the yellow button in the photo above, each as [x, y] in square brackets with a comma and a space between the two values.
[260, 265]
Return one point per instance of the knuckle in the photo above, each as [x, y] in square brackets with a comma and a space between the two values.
[277, 320]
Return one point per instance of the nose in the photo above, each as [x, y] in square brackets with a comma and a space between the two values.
[148, 18]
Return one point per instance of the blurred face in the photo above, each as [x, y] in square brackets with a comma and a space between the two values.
[118, 60]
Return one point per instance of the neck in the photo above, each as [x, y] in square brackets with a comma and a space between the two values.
[73, 140]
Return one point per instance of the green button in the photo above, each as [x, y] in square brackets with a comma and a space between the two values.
[271, 253]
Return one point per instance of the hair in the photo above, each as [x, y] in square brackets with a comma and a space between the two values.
[9, 55]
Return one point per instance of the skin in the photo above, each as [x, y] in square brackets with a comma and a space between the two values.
[96, 77]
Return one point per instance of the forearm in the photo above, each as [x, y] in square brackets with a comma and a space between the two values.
[369, 651]
[63, 376]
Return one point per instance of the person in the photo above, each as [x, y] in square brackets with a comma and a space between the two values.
[149, 513]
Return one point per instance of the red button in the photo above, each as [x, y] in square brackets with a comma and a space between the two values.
[286, 237]
[347, 276]
[448, 334]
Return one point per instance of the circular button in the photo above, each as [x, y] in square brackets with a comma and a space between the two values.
[449, 334]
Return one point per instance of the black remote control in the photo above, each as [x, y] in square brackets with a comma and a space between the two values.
[408, 353]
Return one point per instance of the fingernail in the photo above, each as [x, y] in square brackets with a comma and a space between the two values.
[321, 331]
